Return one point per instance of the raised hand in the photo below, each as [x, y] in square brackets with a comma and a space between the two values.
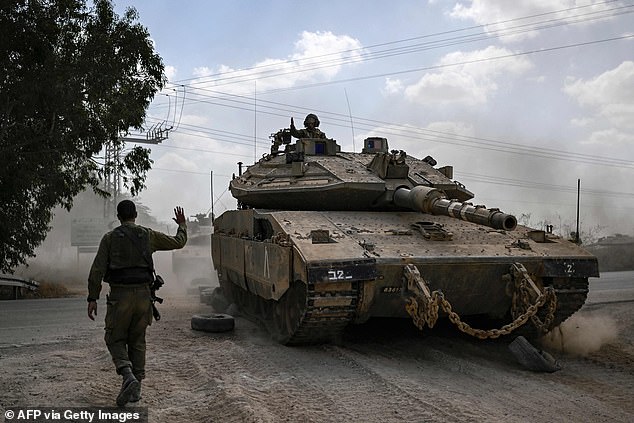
[179, 215]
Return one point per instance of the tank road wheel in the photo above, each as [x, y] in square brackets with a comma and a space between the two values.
[279, 329]
[296, 306]
[218, 300]
[252, 304]
[227, 290]
[288, 312]
[256, 306]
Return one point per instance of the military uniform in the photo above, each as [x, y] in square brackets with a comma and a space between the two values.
[307, 133]
[311, 130]
[121, 263]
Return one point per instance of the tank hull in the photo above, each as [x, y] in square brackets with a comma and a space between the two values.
[308, 274]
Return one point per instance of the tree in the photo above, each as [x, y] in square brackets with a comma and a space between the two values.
[73, 81]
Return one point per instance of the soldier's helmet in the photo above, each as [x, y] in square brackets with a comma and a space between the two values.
[314, 118]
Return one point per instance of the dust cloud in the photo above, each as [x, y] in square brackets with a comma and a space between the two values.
[56, 261]
[582, 335]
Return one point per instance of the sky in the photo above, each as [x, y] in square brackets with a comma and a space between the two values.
[522, 98]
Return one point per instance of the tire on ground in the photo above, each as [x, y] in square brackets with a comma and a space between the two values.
[532, 358]
[216, 322]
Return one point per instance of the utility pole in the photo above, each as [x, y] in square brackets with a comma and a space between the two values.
[212, 196]
[577, 239]
[112, 176]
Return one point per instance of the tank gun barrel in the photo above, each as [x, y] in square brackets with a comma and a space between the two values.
[433, 201]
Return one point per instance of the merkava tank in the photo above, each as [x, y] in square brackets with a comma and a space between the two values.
[192, 263]
[323, 239]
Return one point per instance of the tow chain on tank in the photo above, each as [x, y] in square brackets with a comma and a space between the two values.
[524, 289]
[423, 305]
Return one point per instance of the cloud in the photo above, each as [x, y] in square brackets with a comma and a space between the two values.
[452, 127]
[610, 136]
[470, 83]
[506, 13]
[317, 56]
[392, 86]
[175, 161]
[609, 95]
[170, 72]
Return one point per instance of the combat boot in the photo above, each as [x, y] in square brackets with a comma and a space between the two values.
[136, 395]
[129, 385]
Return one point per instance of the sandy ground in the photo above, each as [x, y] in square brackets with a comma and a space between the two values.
[383, 371]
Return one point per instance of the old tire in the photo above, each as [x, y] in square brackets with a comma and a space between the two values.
[216, 322]
[532, 358]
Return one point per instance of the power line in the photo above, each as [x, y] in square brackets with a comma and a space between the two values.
[489, 179]
[493, 145]
[543, 186]
[242, 103]
[188, 171]
[420, 133]
[447, 65]
[245, 103]
[367, 53]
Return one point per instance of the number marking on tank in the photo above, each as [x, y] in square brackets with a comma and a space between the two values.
[337, 275]
[570, 268]
[391, 289]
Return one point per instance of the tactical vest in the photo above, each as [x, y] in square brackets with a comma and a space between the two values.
[130, 260]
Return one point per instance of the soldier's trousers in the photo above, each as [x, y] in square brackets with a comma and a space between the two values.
[128, 315]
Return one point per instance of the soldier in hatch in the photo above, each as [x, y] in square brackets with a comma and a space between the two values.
[124, 260]
[311, 125]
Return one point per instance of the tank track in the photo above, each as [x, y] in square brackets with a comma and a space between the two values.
[320, 324]
[312, 324]
[316, 324]
[571, 296]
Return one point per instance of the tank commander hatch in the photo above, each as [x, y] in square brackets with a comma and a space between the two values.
[311, 125]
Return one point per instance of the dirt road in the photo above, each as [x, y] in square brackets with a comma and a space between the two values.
[379, 372]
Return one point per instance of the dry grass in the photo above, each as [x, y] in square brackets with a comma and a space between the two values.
[50, 290]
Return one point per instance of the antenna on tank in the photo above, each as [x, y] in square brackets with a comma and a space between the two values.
[211, 175]
[255, 121]
[350, 114]
[578, 195]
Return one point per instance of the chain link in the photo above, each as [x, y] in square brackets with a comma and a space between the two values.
[424, 306]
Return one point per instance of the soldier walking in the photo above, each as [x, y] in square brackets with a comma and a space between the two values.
[124, 260]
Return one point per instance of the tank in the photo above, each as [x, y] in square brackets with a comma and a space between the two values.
[615, 252]
[192, 263]
[323, 239]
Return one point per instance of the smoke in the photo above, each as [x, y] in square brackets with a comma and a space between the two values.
[58, 262]
[582, 335]
[185, 279]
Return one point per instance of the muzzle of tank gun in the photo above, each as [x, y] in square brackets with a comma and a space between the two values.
[433, 201]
